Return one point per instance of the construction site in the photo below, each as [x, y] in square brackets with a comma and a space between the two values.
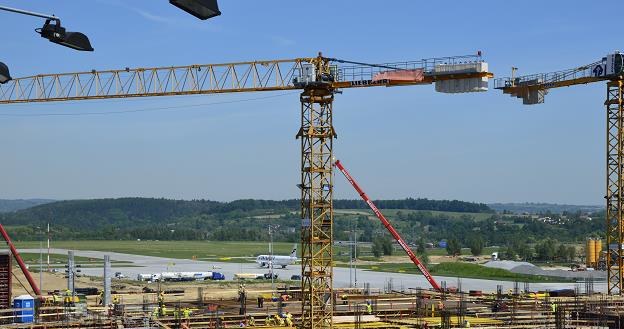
[312, 298]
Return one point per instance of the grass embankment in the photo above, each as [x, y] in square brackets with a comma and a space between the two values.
[466, 270]
[60, 260]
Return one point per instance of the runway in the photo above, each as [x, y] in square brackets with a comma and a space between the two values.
[151, 264]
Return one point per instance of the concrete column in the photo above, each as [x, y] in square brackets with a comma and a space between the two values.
[107, 280]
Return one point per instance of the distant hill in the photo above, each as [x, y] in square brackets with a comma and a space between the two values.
[19, 204]
[534, 208]
[163, 219]
[247, 220]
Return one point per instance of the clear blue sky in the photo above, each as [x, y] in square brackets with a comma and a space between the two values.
[398, 142]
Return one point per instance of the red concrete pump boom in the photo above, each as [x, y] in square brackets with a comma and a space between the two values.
[19, 260]
[388, 226]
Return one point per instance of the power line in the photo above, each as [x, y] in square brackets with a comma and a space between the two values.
[148, 109]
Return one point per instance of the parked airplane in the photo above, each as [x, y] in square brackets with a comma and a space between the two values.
[277, 260]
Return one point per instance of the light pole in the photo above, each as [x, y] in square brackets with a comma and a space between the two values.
[40, 234]
[5, 76]
[202, 9]
[54, 32]
[355, 253]
[271, 257]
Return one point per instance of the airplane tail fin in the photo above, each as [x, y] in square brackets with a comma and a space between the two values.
[294, 251]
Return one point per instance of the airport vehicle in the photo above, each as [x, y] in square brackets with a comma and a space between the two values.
[248, 276]
[278, 260]
[217, 276]
[181, 276]
[268, 276]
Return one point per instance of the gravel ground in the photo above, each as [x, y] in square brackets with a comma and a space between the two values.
[528, 268]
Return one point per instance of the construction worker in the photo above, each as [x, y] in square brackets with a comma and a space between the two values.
[161, 298]
[279, 320]
[251, 322]
[155, 312]
[68, 298]
[100, 297]
[186, 314]
[289, 321]
[116, 300]
[260, 301]
[466, 324]
[369, 307]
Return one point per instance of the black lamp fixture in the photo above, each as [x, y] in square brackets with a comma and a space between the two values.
[53, 31]
[202, 9]
[4, 73]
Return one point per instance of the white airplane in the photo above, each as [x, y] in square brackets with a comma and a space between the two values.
[277, 260]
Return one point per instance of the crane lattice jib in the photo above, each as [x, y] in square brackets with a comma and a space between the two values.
[268, 75]
[579, 75]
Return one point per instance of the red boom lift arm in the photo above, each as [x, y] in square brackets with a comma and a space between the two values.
[388, 226]
[19, 260]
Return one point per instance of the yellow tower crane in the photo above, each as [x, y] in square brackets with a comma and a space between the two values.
[533, 88]
[319, 78]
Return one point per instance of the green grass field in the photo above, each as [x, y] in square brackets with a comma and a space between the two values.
[224, 251]
[466, 270]
[173, 249]
[61, 259]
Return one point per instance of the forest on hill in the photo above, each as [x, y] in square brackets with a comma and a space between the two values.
[418, 220]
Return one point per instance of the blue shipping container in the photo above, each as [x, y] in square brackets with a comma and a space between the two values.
[27, 304]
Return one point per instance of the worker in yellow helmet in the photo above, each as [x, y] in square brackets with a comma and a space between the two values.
[279, 320]
[289, 321]
[155, 312]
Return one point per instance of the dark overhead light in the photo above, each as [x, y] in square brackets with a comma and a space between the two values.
[4, 73]
[57, 34]
[202, 9]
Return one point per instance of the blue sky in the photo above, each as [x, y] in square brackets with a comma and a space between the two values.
[398, 142]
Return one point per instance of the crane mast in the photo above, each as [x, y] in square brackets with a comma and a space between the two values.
[533, 88]
[318, 78]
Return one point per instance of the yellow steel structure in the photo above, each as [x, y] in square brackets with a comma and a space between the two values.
[615, 185]
[533, 88]
[318, 78]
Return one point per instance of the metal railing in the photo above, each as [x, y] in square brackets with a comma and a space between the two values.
[549, 78]
[367, 72]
